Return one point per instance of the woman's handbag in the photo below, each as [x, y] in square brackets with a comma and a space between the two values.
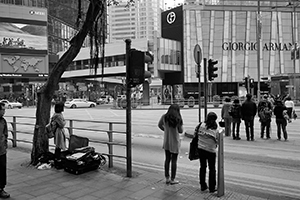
[294, 115]
[193, 151]
[222, 123]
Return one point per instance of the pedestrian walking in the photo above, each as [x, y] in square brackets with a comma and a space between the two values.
[171, 123]
[207, 144]
[281, 122]
[249, 110]
[226, 117]
[290, 106]
[235, 112]
[3, 152]
[59, 134]
[264, 110]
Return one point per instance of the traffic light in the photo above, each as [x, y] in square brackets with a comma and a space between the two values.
[293, 54]
[251, 83]
[137, 74]
[298, 53]
[246, 79]
[212, 69]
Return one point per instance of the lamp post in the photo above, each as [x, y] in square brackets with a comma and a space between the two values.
[258, 37]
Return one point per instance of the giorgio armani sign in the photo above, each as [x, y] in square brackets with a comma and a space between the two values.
[252, 46]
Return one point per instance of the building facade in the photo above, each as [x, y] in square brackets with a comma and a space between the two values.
[226, 31]
[141, 20]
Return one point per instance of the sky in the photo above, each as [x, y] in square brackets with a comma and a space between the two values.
[172, 3]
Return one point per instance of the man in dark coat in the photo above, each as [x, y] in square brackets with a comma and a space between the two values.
[249, 110]
[265, 114]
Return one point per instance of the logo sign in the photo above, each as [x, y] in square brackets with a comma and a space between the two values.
[32, 12]
[197, 54]
[171, 17]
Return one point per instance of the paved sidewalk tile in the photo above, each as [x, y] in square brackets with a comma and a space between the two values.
[26, 182]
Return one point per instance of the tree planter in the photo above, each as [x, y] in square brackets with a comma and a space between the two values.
[191, 102]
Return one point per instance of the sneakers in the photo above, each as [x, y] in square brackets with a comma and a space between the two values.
[212, 191]
[237, 138]
[4, 195]
[204, 188]
[173, 182]
[167, 180]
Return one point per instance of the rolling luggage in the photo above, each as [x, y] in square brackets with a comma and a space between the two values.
[81, 158]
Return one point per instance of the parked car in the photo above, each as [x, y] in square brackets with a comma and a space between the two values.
[79, 103]
[11, 105]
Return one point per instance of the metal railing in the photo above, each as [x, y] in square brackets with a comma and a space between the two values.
[25, 125]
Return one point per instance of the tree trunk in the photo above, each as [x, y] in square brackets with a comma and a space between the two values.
[45, 94]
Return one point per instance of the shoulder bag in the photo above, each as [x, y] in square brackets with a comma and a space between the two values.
[193, 151]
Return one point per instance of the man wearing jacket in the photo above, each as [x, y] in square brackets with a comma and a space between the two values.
[249, 110]
[3, 147]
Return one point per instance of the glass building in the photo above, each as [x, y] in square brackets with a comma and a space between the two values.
[227, 31]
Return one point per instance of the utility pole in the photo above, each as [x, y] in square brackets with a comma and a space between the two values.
[258, 37]
[294, 21]
[128, 111]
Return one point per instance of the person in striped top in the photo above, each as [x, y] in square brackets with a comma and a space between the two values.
[207, 144]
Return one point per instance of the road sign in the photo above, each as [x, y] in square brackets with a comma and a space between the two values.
[197, 54]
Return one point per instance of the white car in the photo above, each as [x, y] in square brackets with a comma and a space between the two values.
[79, 103]
[11, 105]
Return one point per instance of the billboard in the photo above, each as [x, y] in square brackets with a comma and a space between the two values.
[22, 37]
[23, 41]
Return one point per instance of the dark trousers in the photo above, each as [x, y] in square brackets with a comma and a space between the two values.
[281, 124]
[249, 126]
[3, 163]
[289, 112]
[210, 158]
[227, 126]
[170, 158]
[236, 129]
[263, 126]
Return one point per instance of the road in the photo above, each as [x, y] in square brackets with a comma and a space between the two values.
[262, 167]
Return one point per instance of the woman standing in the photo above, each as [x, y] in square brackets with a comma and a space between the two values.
[171, 123]
[225, 115]
[236, 114]
[289, 104]
[207, 144]
[59, 134]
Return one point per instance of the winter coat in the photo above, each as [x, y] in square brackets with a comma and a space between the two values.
[236, 112]
[171, 135]
[3, 136]
[249, 110]
[225, 110]
[278, 111]
[59, 135]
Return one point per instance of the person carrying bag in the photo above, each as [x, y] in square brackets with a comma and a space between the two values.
[207, 143]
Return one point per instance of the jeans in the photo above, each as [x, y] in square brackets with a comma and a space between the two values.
[249, 123]
[236, 134]
[170, 157]
[206, 156]
[263, 126]
[281, 124]
[3, 162]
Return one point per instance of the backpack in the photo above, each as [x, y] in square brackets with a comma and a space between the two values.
[264, 113]
[234, 111]
[51, 128]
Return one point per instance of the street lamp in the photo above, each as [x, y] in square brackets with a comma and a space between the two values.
[258, 37]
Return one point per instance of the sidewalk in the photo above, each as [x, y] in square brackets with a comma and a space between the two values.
[27, 182]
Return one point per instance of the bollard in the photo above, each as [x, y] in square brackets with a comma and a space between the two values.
[221, 184]
[14, 132]
[110, 146]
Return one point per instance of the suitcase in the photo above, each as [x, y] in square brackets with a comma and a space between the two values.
[79, 162]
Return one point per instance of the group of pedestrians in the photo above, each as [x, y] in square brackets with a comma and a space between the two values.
[234, 113]
[172, 125]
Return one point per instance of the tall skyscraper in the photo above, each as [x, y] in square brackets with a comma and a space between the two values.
[141, 20]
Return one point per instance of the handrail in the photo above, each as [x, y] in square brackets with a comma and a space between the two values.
[15, 120]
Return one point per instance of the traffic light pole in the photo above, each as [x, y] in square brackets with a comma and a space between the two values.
[128, 111]
[205, 87]
[199, 87]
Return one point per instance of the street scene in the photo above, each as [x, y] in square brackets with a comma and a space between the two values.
[261, 168]
[149, 99]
